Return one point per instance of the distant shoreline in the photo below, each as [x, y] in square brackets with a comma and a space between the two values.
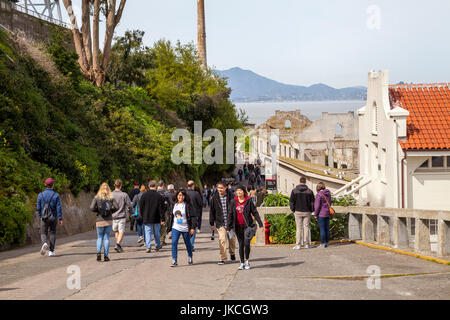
[293, 101]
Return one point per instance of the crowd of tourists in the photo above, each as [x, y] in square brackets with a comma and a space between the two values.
[155, 212]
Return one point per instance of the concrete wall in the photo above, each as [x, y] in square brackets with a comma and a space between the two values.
[77, 218]
[22, 23]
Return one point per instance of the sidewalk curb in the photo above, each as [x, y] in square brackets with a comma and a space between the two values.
[416, 255]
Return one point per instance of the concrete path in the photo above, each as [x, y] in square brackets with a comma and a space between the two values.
[337, 272]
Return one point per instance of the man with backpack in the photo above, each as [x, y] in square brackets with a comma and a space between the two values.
[49, 211]
[120, 216]
[166, 202]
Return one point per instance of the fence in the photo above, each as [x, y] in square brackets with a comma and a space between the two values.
[35, 14]
[401, 228]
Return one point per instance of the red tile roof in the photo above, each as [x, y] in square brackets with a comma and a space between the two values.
[428, 123]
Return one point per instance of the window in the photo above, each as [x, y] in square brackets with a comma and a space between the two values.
[287, 124]
[425, 164]
[437, 162]
[375, 117]
[338, 130]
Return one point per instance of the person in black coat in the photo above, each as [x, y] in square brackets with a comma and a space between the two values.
[221, 217]
[152, 213]
[197, 206]
[181, 223]
[244, 210]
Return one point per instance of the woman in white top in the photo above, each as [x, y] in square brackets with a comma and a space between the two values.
[181, 224]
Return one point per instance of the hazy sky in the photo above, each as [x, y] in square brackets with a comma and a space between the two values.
[301, 42]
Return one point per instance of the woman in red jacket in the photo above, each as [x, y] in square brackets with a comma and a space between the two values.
[244, 210]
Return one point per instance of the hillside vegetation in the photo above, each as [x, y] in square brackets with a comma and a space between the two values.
[83, 135]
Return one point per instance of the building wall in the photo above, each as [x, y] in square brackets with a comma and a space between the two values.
[288, 179]
[379, 151]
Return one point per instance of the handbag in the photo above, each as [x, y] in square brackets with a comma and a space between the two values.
[332, 211]
[250, 231]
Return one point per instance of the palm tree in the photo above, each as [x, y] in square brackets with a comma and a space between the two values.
[201, 32]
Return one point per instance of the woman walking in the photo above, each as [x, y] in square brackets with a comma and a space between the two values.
[104, 205]
[322, 213]
[243, 209]
[181, 224]
[137, 215]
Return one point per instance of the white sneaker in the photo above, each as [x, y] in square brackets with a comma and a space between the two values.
[247, 265]
[242, 266]
[306, 246]
[296, 248]
[198, 231]
[51, 254]
[140, 239]
[44, 248]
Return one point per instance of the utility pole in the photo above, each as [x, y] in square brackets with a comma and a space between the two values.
[201, 33]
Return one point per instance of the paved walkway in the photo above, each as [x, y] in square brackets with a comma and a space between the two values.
[337, 272]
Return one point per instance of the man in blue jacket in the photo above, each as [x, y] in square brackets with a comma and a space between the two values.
[50, 197]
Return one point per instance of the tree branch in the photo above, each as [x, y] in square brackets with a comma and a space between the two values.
[120, 11]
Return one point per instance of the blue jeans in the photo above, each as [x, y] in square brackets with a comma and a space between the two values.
[103, 239]
[140, 229]
[193, 238]
[149, 229]
[324, 225]
[175, 237]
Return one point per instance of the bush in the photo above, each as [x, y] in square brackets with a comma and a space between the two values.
[276, 200]
[283, 228]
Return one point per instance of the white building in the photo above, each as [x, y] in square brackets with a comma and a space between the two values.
[404, 144]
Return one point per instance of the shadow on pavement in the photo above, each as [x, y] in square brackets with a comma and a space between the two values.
[277, 265]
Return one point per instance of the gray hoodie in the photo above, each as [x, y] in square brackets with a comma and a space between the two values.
[124, 203]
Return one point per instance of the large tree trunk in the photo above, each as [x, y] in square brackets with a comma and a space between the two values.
[87, 46]
[201, 33]
[77, 39]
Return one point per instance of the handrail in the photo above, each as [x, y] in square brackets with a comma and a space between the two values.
[348, 185]
[22, 9]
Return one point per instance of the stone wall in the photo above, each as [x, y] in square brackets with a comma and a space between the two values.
[77, 218]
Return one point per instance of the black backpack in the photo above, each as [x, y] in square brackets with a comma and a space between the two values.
[47, 214]
[105, 208]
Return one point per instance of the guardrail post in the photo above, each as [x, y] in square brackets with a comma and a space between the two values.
[383, 236]
[422, 236]
[368, 227]
[443, 245]
[401, 239]
[354, 226]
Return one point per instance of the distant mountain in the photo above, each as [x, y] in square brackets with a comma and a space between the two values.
[249, 86]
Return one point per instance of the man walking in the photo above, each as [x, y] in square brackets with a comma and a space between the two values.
[166, 202]
[197, 205]
[120, 216]
[49, 211]
[151, 205]
[302, 205]
[220, 215]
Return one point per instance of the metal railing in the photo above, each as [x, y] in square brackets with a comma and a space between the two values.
[400, 228]
[35, 14]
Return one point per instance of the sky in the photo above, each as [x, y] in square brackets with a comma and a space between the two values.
[336, 42]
